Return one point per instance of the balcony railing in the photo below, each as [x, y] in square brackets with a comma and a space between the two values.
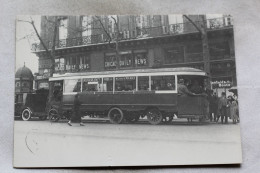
[138, 33]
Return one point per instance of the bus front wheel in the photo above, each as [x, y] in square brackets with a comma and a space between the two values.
[115, 115]
[154, 116]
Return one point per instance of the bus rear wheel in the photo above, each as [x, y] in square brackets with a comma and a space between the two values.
[154, 116]
[115, 115]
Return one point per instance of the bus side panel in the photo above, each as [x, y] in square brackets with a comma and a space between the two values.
[128, 101]
[191, 105]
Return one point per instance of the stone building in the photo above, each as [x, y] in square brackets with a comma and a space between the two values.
[145, 42]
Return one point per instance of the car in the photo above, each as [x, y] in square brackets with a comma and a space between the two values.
[29, 105]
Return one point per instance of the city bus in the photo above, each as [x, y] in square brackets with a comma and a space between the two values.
[127, 95]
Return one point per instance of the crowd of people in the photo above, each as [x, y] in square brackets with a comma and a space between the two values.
[219, 108]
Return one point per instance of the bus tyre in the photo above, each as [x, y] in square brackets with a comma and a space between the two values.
[26, 114]
[53, 115]
[154, 116]
[115, 115]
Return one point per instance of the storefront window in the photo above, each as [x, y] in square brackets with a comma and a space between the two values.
[91, 84]
[143, 83]
[108, 84]
[125, 84]
[72, 85]
[163, 83]
[174, 55]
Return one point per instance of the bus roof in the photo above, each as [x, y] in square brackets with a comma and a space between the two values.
[179, 70]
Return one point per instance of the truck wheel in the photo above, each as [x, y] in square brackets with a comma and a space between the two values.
[26, 114]
[115, 115]
[154, 116]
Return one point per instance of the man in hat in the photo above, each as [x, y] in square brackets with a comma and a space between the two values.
[182, 89]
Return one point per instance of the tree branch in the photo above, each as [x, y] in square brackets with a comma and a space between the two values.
[193, 23]
[102, 25]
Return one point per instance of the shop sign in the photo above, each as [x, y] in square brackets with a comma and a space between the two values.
[43, 85]
[221, 84]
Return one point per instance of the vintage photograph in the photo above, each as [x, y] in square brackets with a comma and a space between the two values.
[126, 90]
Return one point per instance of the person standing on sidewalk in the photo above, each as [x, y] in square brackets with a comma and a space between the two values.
[222, 108]
[76, 116]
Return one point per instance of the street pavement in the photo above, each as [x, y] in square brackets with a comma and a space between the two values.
[99, 143]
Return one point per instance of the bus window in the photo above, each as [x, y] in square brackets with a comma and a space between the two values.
[91, 84]
[107, 84]
[125, 83]
[72, 85]
[159, 83]
[143, 83]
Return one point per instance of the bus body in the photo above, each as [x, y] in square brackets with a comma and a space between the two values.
[130, 94]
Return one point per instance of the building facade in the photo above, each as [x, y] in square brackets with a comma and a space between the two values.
[143, 42]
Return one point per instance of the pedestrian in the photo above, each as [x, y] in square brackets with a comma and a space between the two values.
[233, 110]
[222, 108]
[213, 106]
[76, 116]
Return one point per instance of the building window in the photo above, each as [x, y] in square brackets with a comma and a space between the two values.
[84, 62]
[77, 63]
[86, 23]
[63, 29]
[219, 50]
[59, 64]
[194, 53]
[126, 60]
[141, 59]
[174, 55]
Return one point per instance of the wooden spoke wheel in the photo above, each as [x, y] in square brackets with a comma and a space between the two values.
[154, 116]
[53, 115]
[115, 115]
[26, 114]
